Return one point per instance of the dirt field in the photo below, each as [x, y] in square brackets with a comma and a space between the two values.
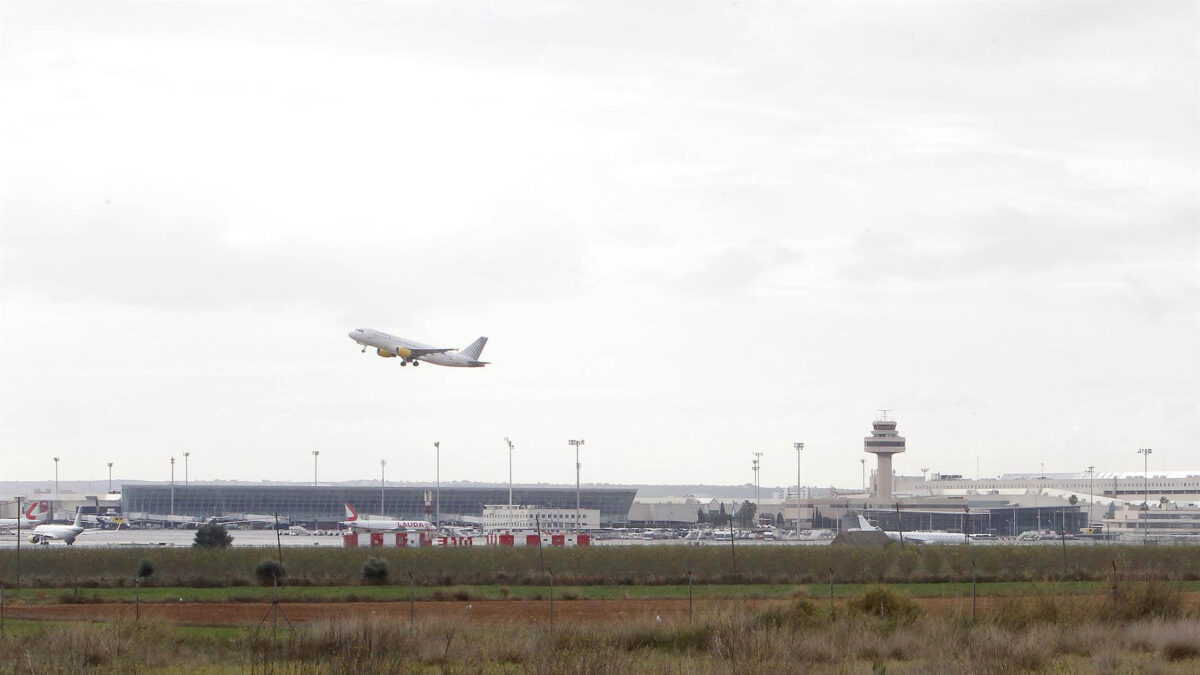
[488, 611]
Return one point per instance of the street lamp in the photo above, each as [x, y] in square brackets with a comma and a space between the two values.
[576, 444]
[437, 452]
[510, 449]
[172, 489]
[864, 474]
[757, 496]
[1145, 453]
[110, 478]
[1091, 493]
[799, 448]
[52, 505]
[382, 469]
[185, 467]
[315, 453]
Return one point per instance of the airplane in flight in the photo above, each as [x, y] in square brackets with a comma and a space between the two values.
[354, 522]
[917, 536]
[390, 346]
[37, 511]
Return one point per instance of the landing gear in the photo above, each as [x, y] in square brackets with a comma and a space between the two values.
[364, 349]
[404, 363]
[416, 363]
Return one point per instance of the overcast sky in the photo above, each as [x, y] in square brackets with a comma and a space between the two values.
[692, 231]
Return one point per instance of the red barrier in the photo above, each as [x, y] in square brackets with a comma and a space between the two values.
[507, 540]
[585, 540]
[350, 540]
[558, 540]
[532, 540]
[376, 539]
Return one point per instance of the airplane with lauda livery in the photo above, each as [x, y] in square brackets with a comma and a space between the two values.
[37, 512]
[354, 522]
[390, 346]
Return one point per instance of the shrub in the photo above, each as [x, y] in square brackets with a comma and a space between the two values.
[268, 571]
[145, 569]
[375, 571]
[212, 535]
[885, 603]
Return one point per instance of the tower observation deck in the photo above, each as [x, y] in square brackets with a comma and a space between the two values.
[883, 443]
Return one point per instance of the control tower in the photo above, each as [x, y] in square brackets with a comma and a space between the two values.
[883, 442]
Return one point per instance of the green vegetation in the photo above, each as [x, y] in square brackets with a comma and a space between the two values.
[212, 535]
[375, 571]
[613, 565]
[145, 569]
[268, 572]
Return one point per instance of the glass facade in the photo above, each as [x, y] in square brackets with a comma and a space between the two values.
[323, 503]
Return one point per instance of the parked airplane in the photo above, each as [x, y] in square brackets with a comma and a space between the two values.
[383, 525]
[44, 534]
[37, 511]
[917, 536]
[389, 346]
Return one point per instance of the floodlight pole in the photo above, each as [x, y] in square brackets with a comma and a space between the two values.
[437, 473]
[110, 478]
[1091, 493]
[1145, 453]
[510, 449]
[315, 454]
[757, 493]
[172, 491]
[864, 474]
[799, 448]
[576, 444]
[382, 469]
[52, 504]
[185, 467]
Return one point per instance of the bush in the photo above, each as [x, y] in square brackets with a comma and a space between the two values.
[375, 571]
[268, 571]
[212, 535]
[885, 603]
[145, 569]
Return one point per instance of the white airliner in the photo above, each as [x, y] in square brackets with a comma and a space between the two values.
[382, 525]
[44, 534]
[37, 511]
[390, 346]
[917, 536]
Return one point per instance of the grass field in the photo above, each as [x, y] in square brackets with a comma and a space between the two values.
[1147, 628]
[401, 593]
[610, 566]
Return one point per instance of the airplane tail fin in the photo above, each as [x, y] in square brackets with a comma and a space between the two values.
[78, 517]
[40, 507]
[864, 524]
[351, 514]
[473, 350]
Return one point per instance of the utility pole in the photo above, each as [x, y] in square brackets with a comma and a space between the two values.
[54, 503]
[437, 494]
[799, 449]
[315, 454]
[576, 445]
[1145, 453]
[110, 478]
[382, 469]
[1091, 493]
[757, 494]
[172, 491]
[864, 474]
[185, 467]
[510, 449]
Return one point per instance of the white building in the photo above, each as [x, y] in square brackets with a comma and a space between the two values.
[519, 517]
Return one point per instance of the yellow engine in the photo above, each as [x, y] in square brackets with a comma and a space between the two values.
[401, 351]
[384, 353]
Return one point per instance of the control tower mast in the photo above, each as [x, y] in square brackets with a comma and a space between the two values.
[883, 443]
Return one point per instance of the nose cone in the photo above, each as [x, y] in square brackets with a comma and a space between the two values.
[352, 333]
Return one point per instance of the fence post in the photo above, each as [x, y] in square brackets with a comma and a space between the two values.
[689, 596]
[137, 599]
[1114, 584]
[412, 608]
[551, 598]
[830, 589]
[974, 592]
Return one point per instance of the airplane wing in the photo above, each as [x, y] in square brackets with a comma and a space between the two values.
[427, 352]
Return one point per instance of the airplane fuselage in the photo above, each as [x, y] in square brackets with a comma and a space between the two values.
[410, 351]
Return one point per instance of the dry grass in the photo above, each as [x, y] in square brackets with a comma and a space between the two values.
[881, 635]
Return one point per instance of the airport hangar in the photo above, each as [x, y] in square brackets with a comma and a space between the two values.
[323, 504]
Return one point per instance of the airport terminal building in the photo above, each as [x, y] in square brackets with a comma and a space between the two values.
[323, 504]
